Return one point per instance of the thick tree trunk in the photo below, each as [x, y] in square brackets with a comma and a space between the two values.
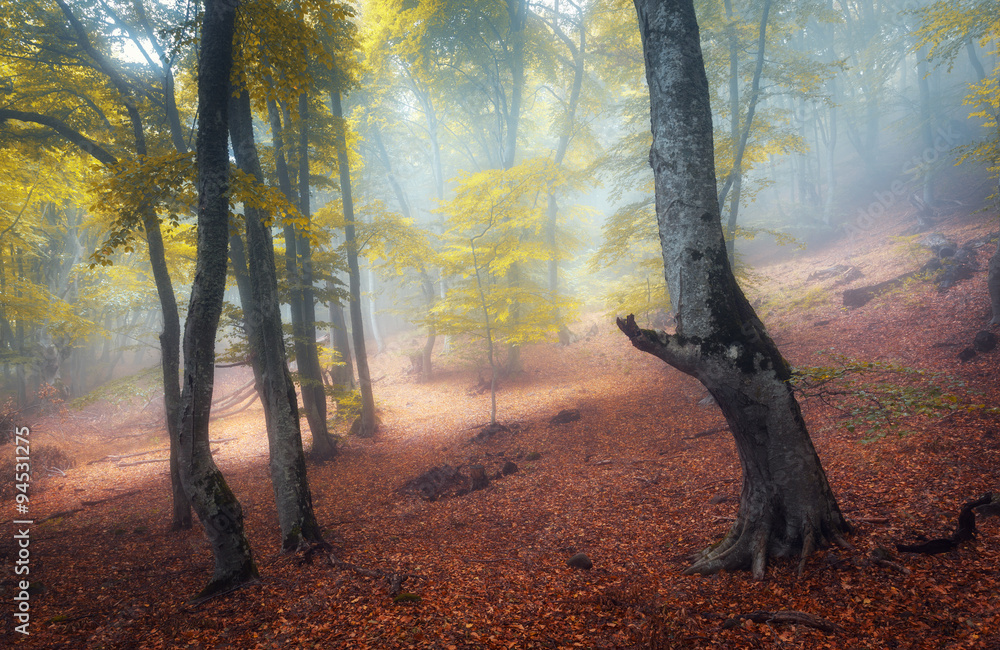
[786, 505]
[366, 424]
[216, 505]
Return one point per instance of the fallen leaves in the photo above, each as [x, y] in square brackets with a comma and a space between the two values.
[636, 484]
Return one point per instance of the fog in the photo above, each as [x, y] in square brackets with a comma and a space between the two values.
[499, 167]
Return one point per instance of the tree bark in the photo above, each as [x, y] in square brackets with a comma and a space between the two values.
[310, 370]
[301, 297]
[366, 424]
[170, 336]
[263, 323]
[216, 505]
[786, 505]
[340, 375]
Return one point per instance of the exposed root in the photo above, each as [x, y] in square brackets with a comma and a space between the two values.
[749, 545]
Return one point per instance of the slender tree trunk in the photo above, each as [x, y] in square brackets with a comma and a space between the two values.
[517, 12]
[170, 337]
[343, 373]
[427, 285]
[366, 423]
[993, 284]
[216, 505]
[926, 123]
[786, 505]
[310, 370]
[301, 301]
[263, 323]
[552, 208]
[373, 313]
[735, 178]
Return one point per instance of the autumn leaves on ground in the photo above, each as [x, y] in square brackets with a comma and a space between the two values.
[641, 481]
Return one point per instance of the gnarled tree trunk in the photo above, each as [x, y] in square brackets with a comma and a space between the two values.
[786, 507]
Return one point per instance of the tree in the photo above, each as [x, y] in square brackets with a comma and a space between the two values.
[494, 222]
[366, 424]
[786, 505]
[103, 85]
[213, 501]
[263, 323]
[948, 28]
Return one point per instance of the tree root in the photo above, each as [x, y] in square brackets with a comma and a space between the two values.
[395, 580]
[748, 546]
[788, 617]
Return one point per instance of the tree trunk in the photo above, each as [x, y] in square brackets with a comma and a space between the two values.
[993, 284]
[307, 353]
[427, 285]
[216, 505]
[301, 297]
[170, 337]
[926, 124]
[343, 374]
[366, 424]
[786, 505]
[263, 323]
[735, 178]
[170, 351]
[552, 208]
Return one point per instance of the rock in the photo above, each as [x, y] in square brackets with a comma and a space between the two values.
[580, 561]
[533, 455]
[565, 416]
[510, 467]
[488, 432]
[939, 244]
[984, 341]
[478, 478]
[436, 482]
[966, 354]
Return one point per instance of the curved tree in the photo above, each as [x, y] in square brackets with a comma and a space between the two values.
[212, 499]
[786, 505]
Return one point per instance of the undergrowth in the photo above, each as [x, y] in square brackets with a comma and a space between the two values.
[878, 398]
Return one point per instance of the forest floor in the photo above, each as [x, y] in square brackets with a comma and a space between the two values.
[631, 483]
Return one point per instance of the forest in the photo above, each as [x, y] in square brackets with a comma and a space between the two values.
[499, 324]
